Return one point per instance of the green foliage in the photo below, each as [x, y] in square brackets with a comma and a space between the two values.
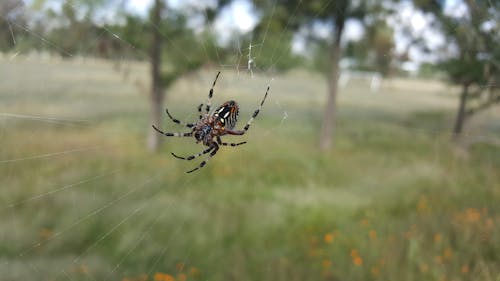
[320, 61]
[429, 70]
[306, 11]
[477, 47]
[184, 51]
[473, 60]
[381, 39]
[464, 71]
[269, 51]
[76, 30]
[392, 202]
[72, 31]
[375, 51]
[136, 32]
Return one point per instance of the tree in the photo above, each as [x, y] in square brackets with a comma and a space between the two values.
[379, 43]
[72, 27]
[172, 48]
[157, 94]
[11, 12]
[183, 52]
[332, 13]
[339, 16]
[474, 61]
[373, 52]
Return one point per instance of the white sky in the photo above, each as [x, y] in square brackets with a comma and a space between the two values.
[238, 15]
[241, 17]
[139, 6]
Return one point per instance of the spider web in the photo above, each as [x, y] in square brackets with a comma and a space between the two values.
[137, 210]
[132, 205]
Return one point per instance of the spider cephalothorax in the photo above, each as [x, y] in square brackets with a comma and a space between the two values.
[212, 125]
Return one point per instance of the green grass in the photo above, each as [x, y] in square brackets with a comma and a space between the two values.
[395, 200]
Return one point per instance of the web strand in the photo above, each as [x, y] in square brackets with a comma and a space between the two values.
[89, 215]
[59, 189]
[62, 121]
[11, 32]
[48, 155]
[41, 38]
[251, 71]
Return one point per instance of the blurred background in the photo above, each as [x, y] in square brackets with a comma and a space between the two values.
[375, 157]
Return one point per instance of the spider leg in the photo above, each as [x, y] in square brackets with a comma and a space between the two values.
[199, 110]
[214, 151]
[195, 155]
[256, 112]
[219, 141]
[173, 134]
[189, 125]
[211, 93]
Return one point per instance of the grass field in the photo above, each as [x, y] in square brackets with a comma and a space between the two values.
[81, 198]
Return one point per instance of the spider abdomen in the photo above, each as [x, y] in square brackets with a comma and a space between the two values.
[227, 114]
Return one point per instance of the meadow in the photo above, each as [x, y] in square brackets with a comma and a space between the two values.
[82, 199]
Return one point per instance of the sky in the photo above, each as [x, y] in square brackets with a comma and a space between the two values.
[241, 17]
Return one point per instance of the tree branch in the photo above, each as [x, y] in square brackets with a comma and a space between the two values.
[483, 106]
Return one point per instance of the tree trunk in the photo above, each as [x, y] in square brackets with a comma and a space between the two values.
[459, 121]
[157, 95]
[328, 124]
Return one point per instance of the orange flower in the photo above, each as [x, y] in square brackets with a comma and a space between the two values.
[326, 264]
[464, 269]
[181, 277]
[375, 271]
[357, 261]
[193, 271]
[328, 238]
[424, 268]
[373, 234]
[448, 253]
[354, 253]
[422, 205]
[472, 215]
[163, 277]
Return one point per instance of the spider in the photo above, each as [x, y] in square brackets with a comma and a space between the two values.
[212, 125]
